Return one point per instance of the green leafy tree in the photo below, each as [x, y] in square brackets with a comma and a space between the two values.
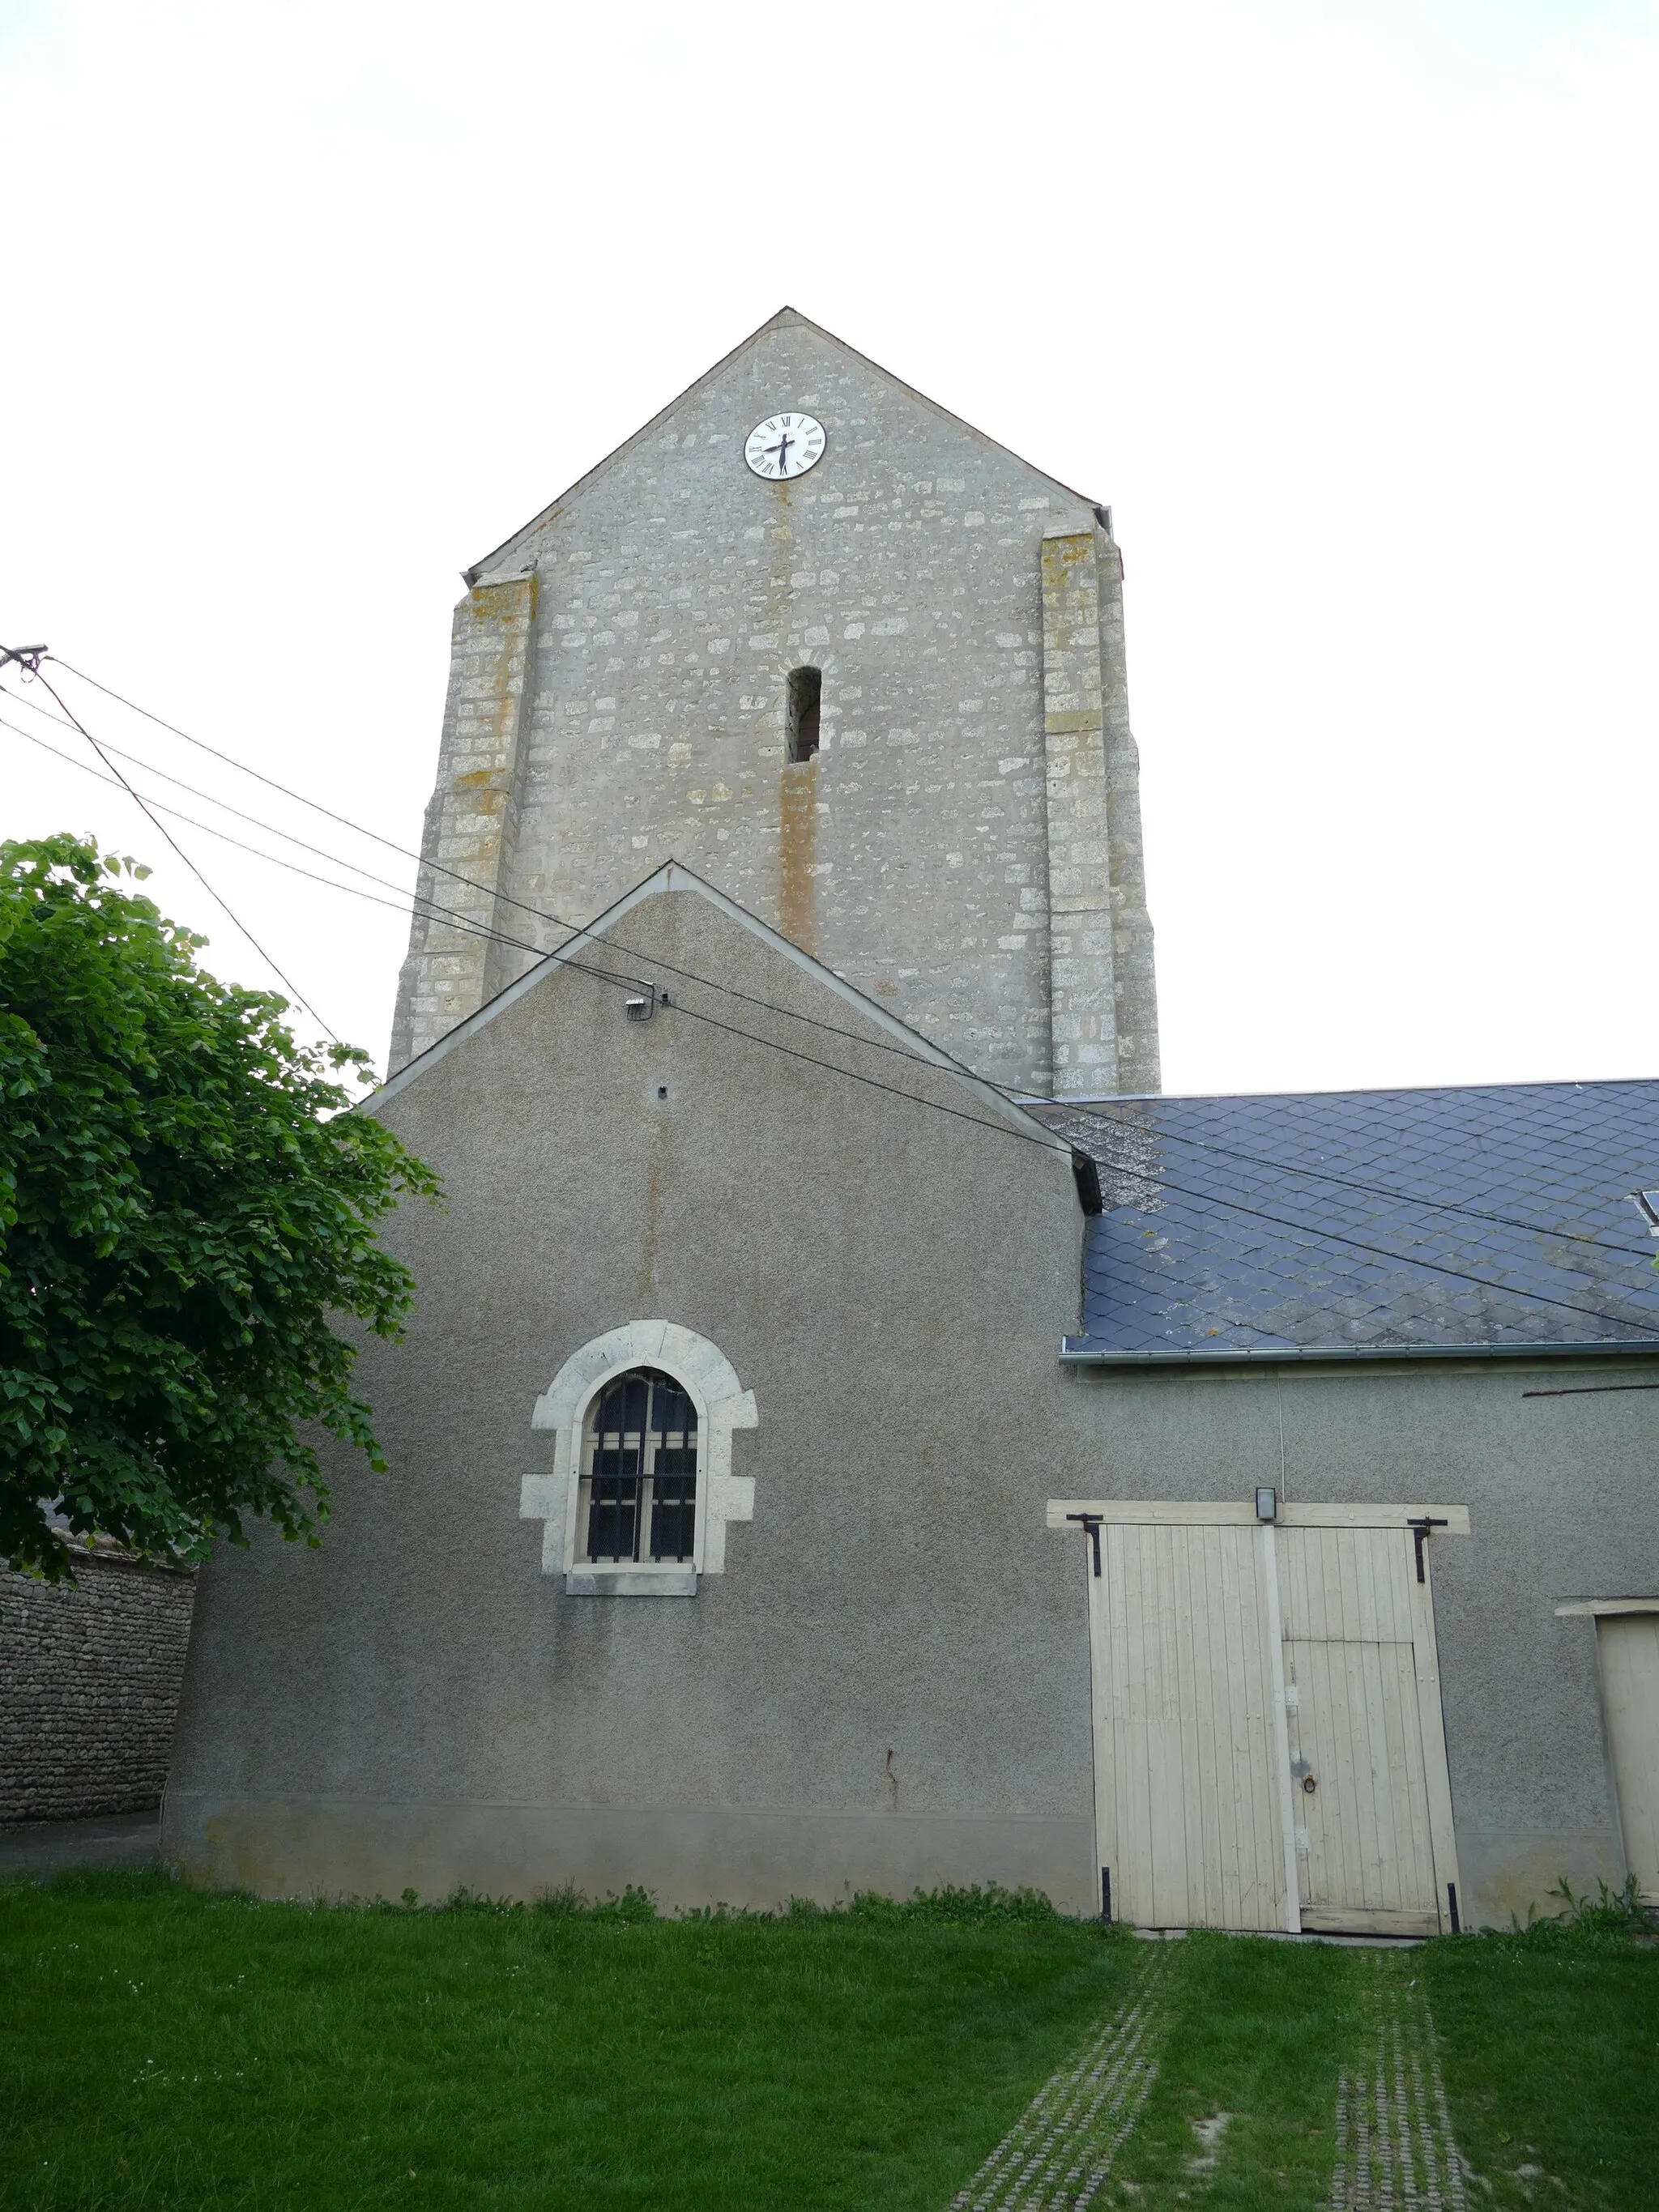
[184, 1209]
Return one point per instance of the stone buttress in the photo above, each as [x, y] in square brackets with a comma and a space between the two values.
[1103, 1006]
[453, 965]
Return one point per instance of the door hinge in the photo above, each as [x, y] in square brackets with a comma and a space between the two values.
[1092, 1523]
[1420, 1530]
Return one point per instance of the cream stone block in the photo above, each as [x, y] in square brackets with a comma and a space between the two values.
[723, 1407]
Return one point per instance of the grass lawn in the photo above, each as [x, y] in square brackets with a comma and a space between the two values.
[1257, 2032]
[159, 2047]
[1549, 2045]
[1551, 2050]
[162, 2047]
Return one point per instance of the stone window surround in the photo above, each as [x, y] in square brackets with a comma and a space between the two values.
[723, 1404]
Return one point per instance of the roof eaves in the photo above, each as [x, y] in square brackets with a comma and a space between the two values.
[1079, 1351]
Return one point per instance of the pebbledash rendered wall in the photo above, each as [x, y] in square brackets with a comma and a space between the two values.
[880, 1686]
[89, 1680]
[887, 1683]
[966, 846]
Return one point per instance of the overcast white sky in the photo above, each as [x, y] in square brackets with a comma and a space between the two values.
[1349, 311]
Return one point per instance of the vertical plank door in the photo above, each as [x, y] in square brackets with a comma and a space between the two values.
[1186, 1796]
[1629, 1646]
[1368, 1760]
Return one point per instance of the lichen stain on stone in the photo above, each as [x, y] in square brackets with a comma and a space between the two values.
[798, 827]
[499, 602]
[476, 780]
[1065, 552]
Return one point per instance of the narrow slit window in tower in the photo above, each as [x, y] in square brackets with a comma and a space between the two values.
[805, 689]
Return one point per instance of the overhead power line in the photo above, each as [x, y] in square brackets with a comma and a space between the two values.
[399, 903]
[1300, 1229]
[1313, 1235]
[1097, 1111]
[400, 900]
[618, 981]
[33, 665]
[242, 767]
[1303, 1230]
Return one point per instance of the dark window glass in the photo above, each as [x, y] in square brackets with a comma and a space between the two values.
[801, 719]
[639, 1471]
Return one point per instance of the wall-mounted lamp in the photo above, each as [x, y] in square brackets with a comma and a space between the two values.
[1267, 1504]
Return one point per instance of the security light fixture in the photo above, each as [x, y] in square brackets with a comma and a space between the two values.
[1266, 1503]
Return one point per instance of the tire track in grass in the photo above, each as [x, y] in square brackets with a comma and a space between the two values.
[1058, 2156]
[1394, 2149]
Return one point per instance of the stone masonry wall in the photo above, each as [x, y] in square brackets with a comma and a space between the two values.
[618, 699]
[90, 1676]
[1134, 979]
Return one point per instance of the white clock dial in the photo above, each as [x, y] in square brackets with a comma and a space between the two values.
[784, 446]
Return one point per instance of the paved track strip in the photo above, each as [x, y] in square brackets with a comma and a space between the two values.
[1395, 2151]
[1058, 2156]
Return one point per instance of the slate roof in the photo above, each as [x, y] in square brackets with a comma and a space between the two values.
[1359, 1221]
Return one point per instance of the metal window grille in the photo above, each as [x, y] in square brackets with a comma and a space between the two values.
[640, 1470]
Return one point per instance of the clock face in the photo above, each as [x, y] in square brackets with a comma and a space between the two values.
[784, 446]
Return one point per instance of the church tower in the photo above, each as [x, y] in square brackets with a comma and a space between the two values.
[849, 658]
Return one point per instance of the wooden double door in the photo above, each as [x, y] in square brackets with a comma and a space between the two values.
[1268, 1746]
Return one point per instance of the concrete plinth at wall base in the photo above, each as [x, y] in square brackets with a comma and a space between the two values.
[335, 1847]
[1508, 1871]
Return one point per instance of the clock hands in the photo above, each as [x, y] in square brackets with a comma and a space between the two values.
[793, 451]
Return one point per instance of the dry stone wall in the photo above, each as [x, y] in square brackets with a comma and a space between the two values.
[90, 1675]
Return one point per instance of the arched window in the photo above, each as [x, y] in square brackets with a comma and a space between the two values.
[801, 714]
[631, 1447]
[639, 1471]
